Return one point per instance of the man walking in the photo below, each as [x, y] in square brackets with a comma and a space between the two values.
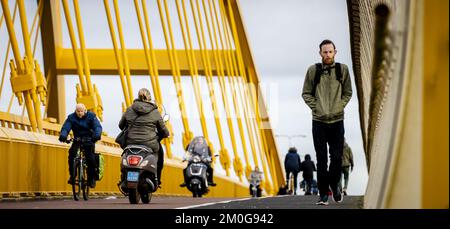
[327, 90]
[347, 166]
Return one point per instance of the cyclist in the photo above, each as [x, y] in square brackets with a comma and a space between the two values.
[292, 164]
[86, 127]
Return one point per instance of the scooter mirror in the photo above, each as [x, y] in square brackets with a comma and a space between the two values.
[166, 118]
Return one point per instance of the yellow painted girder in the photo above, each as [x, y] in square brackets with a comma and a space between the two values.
[102, 62]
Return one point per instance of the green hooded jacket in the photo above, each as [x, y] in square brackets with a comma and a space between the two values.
[347, 156]
[331, 96]
[147, 127]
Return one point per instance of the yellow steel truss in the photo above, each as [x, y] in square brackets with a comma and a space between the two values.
[222, 53]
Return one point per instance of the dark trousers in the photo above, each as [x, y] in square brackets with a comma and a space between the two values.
[308, 184]
[258, 190]
[90, 158]
[295, 178]
[331, 135]
[160, 163]
[210, 172]
[345, 172]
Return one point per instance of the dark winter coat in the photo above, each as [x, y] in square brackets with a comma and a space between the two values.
[308, 168]
[86, 126]
[292, 162]
[147, 128]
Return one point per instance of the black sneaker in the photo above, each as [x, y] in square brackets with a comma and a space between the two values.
[337, 196]
[92, 184]
[323, 200]
[183, 185]
[70, 181]
[212, 184]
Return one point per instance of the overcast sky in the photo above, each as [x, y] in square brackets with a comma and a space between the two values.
[284, 36]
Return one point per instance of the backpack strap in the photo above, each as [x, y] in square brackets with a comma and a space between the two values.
[317, 78]
[318, 73]
[338, 71]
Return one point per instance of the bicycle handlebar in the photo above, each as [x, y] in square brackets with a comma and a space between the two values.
[79, 139]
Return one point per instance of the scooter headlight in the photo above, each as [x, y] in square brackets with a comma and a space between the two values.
[196, 159]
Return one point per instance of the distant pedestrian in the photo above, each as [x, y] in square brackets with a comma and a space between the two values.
[347, 166]
[308, 168]
[292, 164]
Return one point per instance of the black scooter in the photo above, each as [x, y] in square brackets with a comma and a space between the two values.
[139, 166]
[196, 175]
[196, 172]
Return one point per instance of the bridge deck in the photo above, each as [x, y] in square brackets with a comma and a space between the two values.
[171, 202]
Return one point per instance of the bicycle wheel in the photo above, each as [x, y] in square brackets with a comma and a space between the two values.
[76, 187]
[291, 184]
[85, 186]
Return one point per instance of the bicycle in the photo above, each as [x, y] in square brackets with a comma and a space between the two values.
[79, 177]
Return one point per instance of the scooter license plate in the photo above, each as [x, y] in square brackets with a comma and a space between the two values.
[132, 176]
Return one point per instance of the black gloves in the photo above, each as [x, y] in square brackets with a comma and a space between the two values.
[62, 139]
[96, 138]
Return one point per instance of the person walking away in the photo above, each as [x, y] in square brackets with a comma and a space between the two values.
[292, 164]
[347, 166]
[308, 167]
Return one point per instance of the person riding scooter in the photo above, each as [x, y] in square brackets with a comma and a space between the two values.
[199, 146]
[145, 126]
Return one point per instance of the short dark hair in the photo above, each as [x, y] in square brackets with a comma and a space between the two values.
[325, 42]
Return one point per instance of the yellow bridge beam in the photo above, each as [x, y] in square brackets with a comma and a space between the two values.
[175, 70]
[118, 58]
[185, 31]
[102, 62]
[237, 164]
[435, 106]
[198, 21]
[230, 57]
[263, 121]
[152, 66]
